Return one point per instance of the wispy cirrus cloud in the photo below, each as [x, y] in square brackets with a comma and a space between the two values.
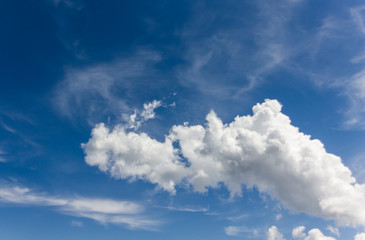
[104, 211]
[75, 223]
[357, 14]
[95, 92]
[325, 66]
[187, 209]
[333, 230]
[233, 59]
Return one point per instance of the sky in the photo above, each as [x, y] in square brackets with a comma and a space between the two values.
[182, 119]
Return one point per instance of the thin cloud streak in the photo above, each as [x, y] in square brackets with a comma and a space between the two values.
[101, 90]
[104, 211]
[241, 68]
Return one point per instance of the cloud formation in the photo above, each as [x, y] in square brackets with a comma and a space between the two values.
[313, 234]
[298, 232]
[274, 234]
[237, 230]
[360, 236]
[104, 211]
[262, 150]
[148, 112]
[333, 230]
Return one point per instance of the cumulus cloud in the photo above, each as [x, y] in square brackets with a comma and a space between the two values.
[103, 211]
[360, 236]
[313, 234]
[316, 234]
[274, 234]
[298, 232]
[262, 150]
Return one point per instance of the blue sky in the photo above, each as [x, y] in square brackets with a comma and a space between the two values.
[182, 119]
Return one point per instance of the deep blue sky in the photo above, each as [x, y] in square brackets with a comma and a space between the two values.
[67, 65]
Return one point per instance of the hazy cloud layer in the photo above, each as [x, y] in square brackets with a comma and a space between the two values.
[262, 150]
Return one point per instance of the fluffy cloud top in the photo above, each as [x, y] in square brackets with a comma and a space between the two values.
[313, 234]
[316, 234]
[360, 236]
[298, 232]
[262, 150]
[274, 234]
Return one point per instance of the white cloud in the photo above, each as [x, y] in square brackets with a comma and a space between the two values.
[6, 127]
[262, 150]
[360, 236]
[354, 86]
[148, 112]
[333, 230]
[21, 195]
[134, 156]
[355, 91]
[75, 223]
[232, 230]
[316, 234]
[220, 63]
[278, 217]
[2, 153]
[313, 234]
[102, 206]
[358, 17]
[298, 232]
[239, 217]
[186, 209]
[274, 234]
[236, 231]
[104, 211]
